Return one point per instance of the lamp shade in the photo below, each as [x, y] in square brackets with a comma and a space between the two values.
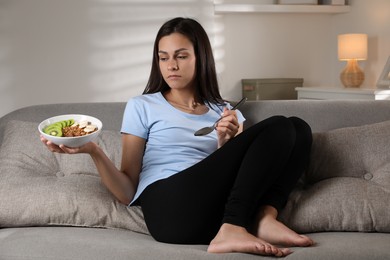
[352, 46]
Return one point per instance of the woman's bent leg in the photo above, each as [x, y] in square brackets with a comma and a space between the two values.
[267, 226]
[278, 193]
[272, 231]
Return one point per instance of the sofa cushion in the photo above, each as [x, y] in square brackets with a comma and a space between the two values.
[39, 188]
[347, 185]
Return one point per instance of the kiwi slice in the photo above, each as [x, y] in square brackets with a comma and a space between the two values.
[47, 128]
[55, 129]
[56, 132]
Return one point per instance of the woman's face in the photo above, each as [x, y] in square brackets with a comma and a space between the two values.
[177, 61]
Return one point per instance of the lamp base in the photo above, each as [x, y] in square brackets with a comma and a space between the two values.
[352, 76]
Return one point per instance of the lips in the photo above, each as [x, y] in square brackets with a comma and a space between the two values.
[173, 76]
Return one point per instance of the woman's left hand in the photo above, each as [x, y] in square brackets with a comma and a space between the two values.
[87, 148]
[228, 127]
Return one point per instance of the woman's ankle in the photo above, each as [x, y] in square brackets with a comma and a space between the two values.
[268, 228]
[268, 211]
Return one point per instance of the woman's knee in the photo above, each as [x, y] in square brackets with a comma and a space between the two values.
[277, 129]
[300, 124]
[302, 129]
[283, 124]
[282, 130]
[303, 136]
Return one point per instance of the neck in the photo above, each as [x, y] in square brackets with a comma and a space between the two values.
[183, 99]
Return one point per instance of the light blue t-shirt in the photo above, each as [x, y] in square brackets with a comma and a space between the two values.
[170, 142]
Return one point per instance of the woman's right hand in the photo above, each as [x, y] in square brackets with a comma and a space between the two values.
[87, 148]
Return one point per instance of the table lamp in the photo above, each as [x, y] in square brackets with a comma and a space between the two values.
[352, 47]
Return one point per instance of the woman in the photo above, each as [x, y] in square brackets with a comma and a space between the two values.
[224, 189]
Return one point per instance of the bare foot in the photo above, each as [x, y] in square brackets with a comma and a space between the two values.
[231, 238]
[276, 233]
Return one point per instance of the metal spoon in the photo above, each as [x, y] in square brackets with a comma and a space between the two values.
[209, 129]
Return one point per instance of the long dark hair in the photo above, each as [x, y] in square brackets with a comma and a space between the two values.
[207, 88]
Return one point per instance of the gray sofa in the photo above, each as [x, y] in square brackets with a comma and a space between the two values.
[54, 207]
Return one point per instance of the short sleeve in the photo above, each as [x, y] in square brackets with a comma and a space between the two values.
[135, 119]
[240, 117]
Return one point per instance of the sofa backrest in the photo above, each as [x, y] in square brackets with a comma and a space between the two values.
[322, 115]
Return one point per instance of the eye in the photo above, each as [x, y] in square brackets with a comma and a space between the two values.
[182, 57]
[163, 58]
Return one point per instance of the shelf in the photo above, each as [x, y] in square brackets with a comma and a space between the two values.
[320, 93]
[262, 8]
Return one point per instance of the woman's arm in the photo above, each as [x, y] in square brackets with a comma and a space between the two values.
[132, 155]
[121, 183]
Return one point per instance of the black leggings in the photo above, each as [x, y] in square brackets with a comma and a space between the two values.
[259, 167]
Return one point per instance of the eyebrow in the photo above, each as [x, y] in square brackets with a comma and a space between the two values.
[176, 51]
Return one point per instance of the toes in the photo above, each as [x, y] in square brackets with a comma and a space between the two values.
[286, 251]
[268, 249]
[306, 241]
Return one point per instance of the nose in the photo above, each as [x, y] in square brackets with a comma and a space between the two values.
[172, 65]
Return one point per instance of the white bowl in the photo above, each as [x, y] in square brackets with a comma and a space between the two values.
[71, 141]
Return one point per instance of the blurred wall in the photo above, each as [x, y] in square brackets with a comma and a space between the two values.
[61, 51]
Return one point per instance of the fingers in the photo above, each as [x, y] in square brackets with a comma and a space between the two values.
[227, 127]
[69, 150]
[228, 112]
[229, 122]
[227, 131]
[58, 148]
[52, 147]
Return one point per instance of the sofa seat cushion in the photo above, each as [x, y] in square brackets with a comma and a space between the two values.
[347, 185]
[47, 243]
[39, 188]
